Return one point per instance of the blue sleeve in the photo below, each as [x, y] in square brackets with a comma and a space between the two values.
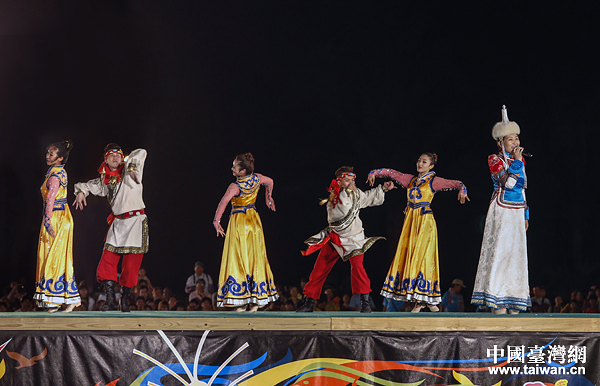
[527, 213]
[516, 167]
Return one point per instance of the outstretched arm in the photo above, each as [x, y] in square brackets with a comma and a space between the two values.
[401, 179]
[52, 185]
[268, 183]
[372, 197]
[83, 189]
[442, 184]
[232, 191]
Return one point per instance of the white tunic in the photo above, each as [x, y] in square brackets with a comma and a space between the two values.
[344, 220]
[127, 235]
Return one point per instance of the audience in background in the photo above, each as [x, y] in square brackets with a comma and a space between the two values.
[539, 301]
[190, 284]
[558, 305]
[200, 292]
[145, 297]
[453, 301]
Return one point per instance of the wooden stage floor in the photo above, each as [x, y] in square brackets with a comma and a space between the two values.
[290, 321]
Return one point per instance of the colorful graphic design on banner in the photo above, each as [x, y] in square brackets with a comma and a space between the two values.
[297, 358]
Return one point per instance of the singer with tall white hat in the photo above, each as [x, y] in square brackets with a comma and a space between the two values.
[502, 281]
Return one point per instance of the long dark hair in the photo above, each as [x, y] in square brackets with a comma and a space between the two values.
[63, 147]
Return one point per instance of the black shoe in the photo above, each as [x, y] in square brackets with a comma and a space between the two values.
[365, 306]
[308, 305]
[125, 299]
[111, 301]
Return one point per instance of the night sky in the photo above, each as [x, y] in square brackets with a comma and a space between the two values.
[306, 87]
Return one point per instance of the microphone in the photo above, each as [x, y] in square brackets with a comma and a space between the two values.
[527, 154]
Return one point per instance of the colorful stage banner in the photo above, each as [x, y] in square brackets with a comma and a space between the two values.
[297, 358]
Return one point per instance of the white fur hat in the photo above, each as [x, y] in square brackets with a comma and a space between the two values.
[504, 128]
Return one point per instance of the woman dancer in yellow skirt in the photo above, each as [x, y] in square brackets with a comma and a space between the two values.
[246, 281]
[414, 275]
[55, 282]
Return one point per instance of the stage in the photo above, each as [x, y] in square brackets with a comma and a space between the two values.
[167, 348]
[292, 321]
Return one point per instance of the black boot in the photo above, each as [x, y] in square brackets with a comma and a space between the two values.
[125, 299]
[308, 305]
[365, 306]
[111, 301]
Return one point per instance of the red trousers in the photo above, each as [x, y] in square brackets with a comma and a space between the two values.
[107, 268]
[325, 262]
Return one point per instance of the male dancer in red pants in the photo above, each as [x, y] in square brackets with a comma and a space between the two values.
[121, 182]
[344, 237]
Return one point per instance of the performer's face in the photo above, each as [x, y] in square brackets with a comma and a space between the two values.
[237, 170]
[511, 142]
[52, 157]
[424, 164]
[348, 182]
[114, 160]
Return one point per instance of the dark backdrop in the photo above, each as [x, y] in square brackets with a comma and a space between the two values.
[306, 87]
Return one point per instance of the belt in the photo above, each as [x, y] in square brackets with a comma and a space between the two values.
[59, 204]
[132, 213]
[424, 206]
[241, 209]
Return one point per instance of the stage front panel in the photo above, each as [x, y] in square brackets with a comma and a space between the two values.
[297, 357]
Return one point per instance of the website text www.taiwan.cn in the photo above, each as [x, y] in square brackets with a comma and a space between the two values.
[537, 360]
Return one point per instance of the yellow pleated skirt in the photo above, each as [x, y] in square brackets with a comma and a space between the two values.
[55, 279]
[414, 274]
[245, 276]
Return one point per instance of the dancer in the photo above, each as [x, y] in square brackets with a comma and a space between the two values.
[502, 278]
[414, 275]
[344, 237]
[245, 281]
[55, 281]
[121, 182]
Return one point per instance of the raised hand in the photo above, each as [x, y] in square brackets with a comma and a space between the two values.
[518, 153]
[389, 185]
[371, 180]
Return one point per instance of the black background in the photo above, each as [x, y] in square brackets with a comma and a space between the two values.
[306, 87]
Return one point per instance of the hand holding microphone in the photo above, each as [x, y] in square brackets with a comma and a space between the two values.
[519, 153]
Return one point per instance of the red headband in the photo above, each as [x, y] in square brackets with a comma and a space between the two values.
[111, 151]
[347, 174]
